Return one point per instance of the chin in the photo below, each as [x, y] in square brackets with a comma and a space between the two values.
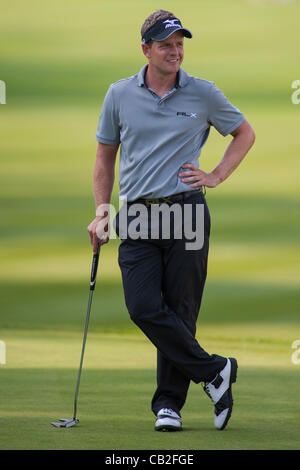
[174, 67]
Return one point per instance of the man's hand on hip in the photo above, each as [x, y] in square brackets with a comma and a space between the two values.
[195, 177]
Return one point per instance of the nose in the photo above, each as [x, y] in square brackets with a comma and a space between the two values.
[175, 51]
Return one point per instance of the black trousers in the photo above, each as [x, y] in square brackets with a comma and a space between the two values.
[163, 285]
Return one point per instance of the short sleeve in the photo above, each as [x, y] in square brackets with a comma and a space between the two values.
[221, 113]
[108, 130]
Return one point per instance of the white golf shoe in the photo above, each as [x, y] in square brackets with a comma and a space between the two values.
[168, 420]
[219, 391]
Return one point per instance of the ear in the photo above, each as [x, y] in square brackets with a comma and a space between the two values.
[146, 50]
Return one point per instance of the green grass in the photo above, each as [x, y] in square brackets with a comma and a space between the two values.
[117, 383]
[58, 59]
[62, 305]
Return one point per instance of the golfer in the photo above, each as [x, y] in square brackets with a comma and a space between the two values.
[161, 118]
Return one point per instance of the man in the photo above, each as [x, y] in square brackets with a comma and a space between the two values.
[161, 117]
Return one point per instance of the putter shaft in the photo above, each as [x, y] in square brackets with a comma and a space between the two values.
[82, 352]
[92, 288]
[67, 423]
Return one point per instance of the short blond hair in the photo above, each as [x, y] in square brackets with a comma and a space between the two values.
[154, 17]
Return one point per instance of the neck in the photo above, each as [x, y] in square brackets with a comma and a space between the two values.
[159, 82]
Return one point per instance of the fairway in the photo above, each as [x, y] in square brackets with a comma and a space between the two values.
[57, 61]
[41, 378]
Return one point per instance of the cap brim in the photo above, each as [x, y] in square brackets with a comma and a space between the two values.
[166, 34]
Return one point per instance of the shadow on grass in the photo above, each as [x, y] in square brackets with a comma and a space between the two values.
[49, 305]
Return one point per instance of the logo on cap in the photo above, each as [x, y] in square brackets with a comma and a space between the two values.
[171, 23]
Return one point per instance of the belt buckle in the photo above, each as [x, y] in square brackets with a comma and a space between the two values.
[167, 200]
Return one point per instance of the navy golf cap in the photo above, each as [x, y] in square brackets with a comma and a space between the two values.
[162, 29]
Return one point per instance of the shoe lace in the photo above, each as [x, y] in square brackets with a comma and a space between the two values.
[206, 389]
[168, 410]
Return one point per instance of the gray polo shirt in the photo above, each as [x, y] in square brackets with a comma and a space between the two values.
[158, 135]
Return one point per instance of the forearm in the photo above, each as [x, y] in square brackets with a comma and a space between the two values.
[104, 174]
[234, 154]
[243, 139]
[103, 180]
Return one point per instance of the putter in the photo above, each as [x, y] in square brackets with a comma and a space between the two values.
[67, 423]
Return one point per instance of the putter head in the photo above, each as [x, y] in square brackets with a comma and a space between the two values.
[65, 423]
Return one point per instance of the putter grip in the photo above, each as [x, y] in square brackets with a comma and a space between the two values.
[94, 267]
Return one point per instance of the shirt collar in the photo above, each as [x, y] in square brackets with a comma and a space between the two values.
[182, 77]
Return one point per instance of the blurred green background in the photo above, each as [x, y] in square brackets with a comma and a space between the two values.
[57, 60]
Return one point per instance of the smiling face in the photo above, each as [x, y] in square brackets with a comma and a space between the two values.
[165, 57]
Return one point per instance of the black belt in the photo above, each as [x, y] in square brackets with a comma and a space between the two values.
[169, 199]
